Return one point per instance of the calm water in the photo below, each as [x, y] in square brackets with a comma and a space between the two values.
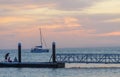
[82, 70]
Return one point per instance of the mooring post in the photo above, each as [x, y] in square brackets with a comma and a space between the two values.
[53, 52]
[19, 52]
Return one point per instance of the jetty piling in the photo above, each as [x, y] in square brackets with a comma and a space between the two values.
[53, 52]
[19, 52]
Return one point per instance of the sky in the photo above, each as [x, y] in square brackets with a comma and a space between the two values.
[69, 23]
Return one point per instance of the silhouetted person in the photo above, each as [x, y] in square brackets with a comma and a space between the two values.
[6, 56]
[9, 60]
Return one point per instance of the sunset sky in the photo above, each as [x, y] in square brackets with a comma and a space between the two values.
[70, 23]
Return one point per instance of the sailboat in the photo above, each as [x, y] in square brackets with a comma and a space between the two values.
[39, 49]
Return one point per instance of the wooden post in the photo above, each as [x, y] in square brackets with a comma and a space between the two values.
[53, 52]
[19, 52]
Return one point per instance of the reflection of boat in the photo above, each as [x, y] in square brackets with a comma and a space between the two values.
[40, 49]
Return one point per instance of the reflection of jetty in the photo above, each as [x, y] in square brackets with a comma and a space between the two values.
[20, 64]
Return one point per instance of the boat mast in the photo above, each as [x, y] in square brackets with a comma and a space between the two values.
[41, 37]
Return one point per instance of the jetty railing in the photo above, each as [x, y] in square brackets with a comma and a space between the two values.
[88, 58]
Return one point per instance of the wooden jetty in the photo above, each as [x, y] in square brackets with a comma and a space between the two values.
[21, 64]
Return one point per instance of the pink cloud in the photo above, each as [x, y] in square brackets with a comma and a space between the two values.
[113, 20]
[116, 33]
[64, 24]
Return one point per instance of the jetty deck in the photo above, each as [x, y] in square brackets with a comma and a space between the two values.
[32, 64]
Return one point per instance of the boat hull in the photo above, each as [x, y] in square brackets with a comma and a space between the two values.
[39, 50]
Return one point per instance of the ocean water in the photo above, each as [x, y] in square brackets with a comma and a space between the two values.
[71, 70]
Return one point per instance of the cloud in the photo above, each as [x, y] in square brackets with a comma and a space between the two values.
[28, 6]
[74, 5]
[99, 22]
[18, 32]
[61, 5]
[64, 24]
[67, 7]
[68, 20]
[6, 20]
[116, 20]
[104, 7]
[116, 33]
